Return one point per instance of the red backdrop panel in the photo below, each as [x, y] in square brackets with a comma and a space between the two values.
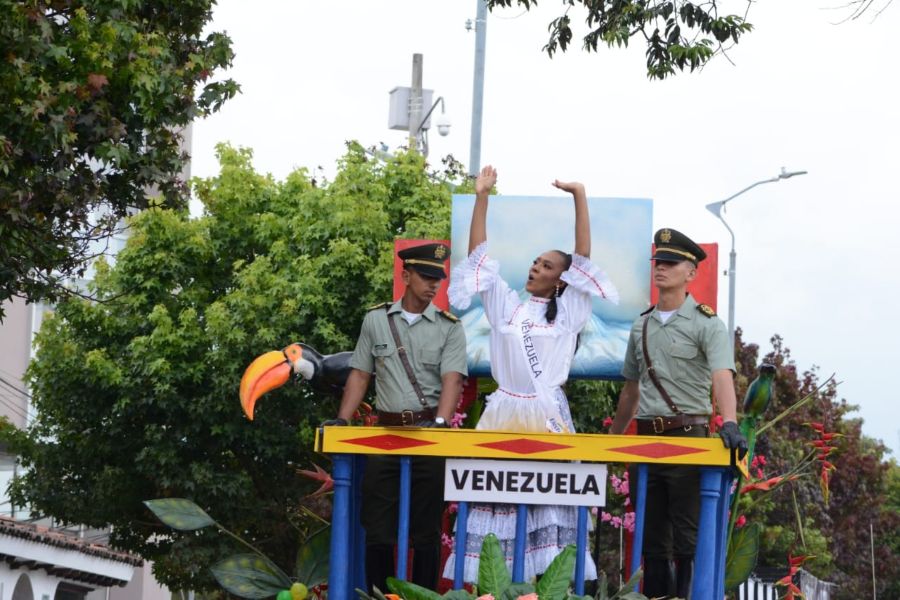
[440, 300]
[705, 287]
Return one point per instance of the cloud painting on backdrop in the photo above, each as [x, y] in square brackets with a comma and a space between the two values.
[520, 228]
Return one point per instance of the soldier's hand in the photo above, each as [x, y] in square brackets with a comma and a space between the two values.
[733, 438]
[333, 422]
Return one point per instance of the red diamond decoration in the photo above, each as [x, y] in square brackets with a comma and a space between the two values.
[389, 442]
[657, 450]
[524, 446]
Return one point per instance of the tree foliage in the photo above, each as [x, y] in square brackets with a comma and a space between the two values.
[836, 532]
[137, 397]
[94, 95]
[678, 34]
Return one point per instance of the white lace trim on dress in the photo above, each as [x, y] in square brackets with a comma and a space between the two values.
[475, 274]
[587, 277]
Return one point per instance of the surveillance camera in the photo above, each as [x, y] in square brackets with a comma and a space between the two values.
[443, 124]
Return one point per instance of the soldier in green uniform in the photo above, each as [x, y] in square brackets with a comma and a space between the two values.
[424, 393]
[676, 351]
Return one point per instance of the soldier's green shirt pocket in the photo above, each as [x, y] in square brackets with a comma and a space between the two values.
[684, 350]
[383, 350]
[430, 357]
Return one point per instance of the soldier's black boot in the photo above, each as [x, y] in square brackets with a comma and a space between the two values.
[426, 563]
[684, 576]
[659, 578]
[379, 566]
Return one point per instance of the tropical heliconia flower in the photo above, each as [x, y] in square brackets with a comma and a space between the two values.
[793, 591]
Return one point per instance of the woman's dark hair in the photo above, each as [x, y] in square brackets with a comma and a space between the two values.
[551, 307]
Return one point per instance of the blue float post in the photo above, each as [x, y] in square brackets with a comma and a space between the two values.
[640, 507]
[339, 570]
[705, 559]
[462, 525]
[580, 549]
[357, 533]
[518, 573]
[722, 537]
[403, 517]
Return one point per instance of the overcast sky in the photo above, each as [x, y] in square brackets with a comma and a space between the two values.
[803, 93]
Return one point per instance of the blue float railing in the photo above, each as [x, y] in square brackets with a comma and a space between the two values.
[349, 445]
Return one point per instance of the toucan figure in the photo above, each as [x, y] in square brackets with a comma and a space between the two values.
[325, 373]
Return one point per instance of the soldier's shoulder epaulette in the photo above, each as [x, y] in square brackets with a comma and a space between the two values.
[377, 306]
[648, 311]
[706, 310]
[449, 315]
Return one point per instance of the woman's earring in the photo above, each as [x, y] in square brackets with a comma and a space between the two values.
[557, 290]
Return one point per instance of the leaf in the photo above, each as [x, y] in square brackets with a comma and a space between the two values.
[411, 591]
[742, 554]
[179, 513]
[515, 590]
[311, 566]
[555, 582]
[625, 591]
[493, 577]
[458, 595]
[250, 576]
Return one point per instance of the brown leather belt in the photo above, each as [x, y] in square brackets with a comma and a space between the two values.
[406, 418]
[658, 425]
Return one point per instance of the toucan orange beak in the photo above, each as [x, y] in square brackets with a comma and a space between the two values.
[269, 371]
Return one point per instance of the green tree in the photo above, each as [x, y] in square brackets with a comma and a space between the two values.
[837, 532]
[137, 397]
[678, 34]
[94, 95]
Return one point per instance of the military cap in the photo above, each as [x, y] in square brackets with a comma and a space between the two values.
[674, 246]
[427, 259]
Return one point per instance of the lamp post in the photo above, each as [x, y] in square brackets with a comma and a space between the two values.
[717, 208]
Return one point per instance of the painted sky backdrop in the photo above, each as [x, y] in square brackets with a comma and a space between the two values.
[521, 228]
[801, 91]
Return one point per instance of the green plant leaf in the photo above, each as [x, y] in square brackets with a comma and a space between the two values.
[458, 595]
[625, 591]
[250, 576]
[311, 566]
[411, 591]
[514, 590]
[179, 513]
[742, 554]
[493, 577]
[555, 582]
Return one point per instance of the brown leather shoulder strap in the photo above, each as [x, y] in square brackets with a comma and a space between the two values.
[652, 372]
[404, 359]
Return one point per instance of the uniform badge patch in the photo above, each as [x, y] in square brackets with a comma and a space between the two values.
[706, 310]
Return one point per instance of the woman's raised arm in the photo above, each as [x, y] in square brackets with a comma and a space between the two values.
[582, 218]
[483, 186]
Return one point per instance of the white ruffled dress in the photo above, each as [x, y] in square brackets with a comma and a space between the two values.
[516, 405]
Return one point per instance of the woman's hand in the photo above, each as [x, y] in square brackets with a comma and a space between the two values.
[486, 181]
[569, 186]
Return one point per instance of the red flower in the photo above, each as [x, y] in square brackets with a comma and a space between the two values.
[319, 475]
[741, 521]
[718, 421]
[607, 422]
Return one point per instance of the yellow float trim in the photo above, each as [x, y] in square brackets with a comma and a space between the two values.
[468, 443]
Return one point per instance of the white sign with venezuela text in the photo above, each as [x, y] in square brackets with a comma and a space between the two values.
[525, 482]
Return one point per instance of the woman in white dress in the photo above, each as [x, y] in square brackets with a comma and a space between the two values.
[532, 344]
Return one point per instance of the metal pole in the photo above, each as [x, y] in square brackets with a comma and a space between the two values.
[478, 88]
[415, 102]
[716, 208]
[732, 276]
[872, 550]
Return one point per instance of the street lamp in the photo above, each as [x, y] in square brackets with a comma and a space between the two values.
[717, 208]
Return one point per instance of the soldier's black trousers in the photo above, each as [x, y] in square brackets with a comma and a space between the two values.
[673, 505]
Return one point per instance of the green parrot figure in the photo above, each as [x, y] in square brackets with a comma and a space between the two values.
[756, 401]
